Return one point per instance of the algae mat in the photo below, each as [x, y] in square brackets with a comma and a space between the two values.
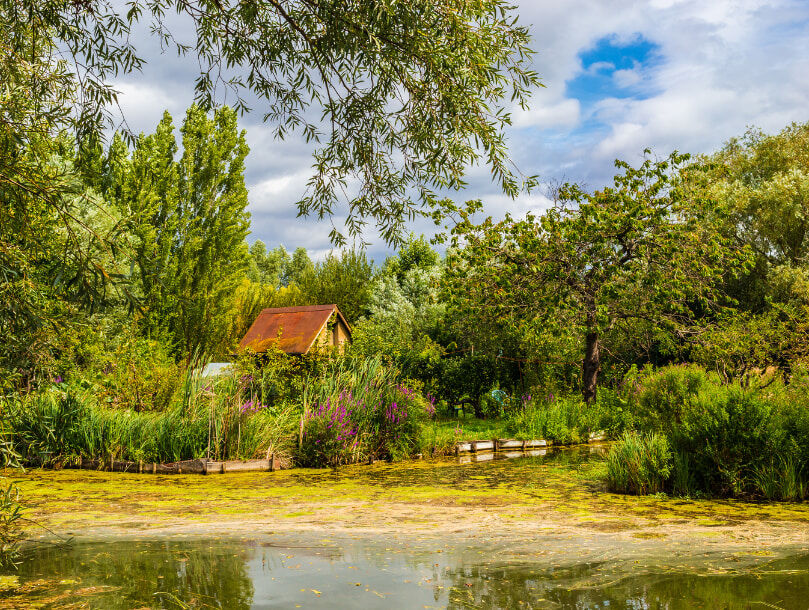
[561, 493]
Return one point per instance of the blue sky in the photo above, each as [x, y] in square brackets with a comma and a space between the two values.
[619, 76]
[604, 63]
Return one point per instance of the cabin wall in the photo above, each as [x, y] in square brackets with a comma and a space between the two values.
[340, 335]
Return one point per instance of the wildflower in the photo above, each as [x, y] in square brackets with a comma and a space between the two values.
[58, 379]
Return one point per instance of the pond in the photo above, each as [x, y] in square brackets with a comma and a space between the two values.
[313, 552]
[222, 573]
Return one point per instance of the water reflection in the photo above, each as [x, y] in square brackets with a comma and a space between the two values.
[238, 574]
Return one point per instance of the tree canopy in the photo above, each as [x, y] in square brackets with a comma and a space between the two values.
[644, 248]
[398, 97]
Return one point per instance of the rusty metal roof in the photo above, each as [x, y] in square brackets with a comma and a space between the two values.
[298, 328]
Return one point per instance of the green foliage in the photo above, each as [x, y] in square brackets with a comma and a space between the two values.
[404, 311]
[188, 220]
[360, 410]
[662, 395]
[724, 431]
[564, 420]
[61, 425]
[467, 379]
[10, 507]
[645, 248]
[639, 464]
[345, 280]
[727, 439]
[140, 375]
[400, 97]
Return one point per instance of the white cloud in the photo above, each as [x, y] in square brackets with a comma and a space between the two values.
[627, 78]
[564, 113]
[720, 65]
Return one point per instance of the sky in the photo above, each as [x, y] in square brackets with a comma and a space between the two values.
[619, 76]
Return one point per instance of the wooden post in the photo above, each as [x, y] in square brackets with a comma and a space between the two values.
[140, 466]
[154, 467]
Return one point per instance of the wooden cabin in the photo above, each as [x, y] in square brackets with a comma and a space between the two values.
[298, 330]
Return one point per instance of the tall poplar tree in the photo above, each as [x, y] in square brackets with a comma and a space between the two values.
[189, 222]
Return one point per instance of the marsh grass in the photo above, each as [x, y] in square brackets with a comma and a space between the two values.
[61, 425]
[639, 464]
[359, 410]
[564, 420]
[781, 479]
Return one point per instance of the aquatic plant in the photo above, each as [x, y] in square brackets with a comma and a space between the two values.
[360, 410]
[61, 425]
[639, 464]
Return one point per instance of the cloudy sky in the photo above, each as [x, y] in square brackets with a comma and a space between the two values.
[619, 76]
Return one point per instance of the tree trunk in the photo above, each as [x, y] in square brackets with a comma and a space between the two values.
[591, 367]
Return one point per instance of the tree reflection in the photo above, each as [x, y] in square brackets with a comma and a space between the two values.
[166, 574]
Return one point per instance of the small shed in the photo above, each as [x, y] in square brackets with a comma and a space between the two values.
[298, 330]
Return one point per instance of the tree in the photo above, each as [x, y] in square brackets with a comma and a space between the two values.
[645, 248]
[403, 310]
[344, 280]
[764, 180]
[189, 222]
[410, 93]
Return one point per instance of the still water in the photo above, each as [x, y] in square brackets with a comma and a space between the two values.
[417, 573]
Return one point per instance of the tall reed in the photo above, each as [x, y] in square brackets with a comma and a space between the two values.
[359, 410]
[214, 419]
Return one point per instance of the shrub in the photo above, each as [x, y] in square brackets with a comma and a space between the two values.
[729, 439]
[663, 393]
[360, 410]
[639, 464]
[141, 375]
[10, 509]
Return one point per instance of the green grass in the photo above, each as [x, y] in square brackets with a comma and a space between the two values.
[442, 435]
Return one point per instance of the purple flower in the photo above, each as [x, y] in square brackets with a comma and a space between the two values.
[58, 379]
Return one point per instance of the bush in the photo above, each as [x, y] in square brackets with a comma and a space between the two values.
[725, 433]
[662, 394]
[639, 464]
[563, 420]
[10, 509]
[728, 439]
[360, 410]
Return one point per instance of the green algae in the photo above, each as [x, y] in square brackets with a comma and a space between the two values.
[566, 486]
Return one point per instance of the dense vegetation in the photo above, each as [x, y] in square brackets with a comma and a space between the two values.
[537, 323]
[126, 265]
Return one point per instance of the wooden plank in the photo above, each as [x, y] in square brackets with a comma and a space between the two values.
[463, 447]
[597, 437]
[510, 455]
[215, 467]
[535, 443]
[508, 443]
[247, 465]
[482, 446]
